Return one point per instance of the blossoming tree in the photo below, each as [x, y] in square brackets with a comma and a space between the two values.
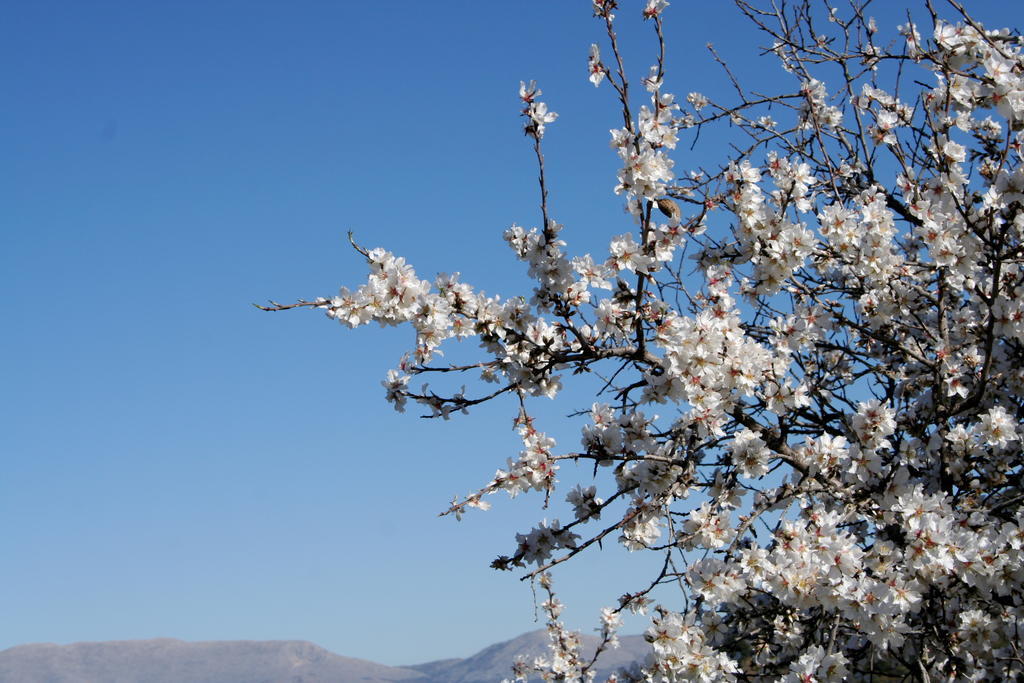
[814, 359]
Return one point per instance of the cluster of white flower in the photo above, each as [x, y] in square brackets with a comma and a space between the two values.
[536, 112]
[544, 539]
[682, 652]
[647, 168]
[566, 660]
[815, 111]
[854, 359]
[534, 469]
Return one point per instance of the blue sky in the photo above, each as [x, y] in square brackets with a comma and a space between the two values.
[178, 464]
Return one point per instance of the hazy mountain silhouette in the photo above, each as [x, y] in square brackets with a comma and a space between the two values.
[166, 660]
[494, 662]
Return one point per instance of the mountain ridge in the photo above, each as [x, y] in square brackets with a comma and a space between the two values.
[171, 660]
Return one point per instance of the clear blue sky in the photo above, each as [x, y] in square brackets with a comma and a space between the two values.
[179, 464]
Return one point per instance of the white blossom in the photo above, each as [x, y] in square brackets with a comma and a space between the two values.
[808, 382]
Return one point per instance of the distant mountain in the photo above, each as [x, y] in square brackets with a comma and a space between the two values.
[165, 660]
[494, 663]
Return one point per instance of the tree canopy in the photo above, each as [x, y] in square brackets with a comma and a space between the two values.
[811, 357]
